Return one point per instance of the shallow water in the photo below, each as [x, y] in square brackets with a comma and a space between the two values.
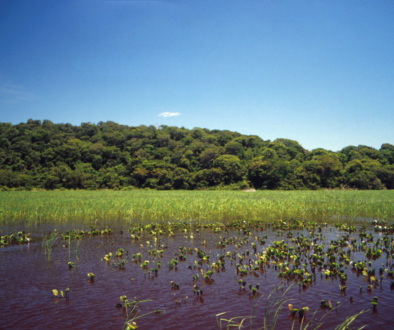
[27, 280]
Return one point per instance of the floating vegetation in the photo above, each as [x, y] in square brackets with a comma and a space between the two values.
[48, 239]
[63, 294]
[19, 238]
[375, 302]
[299, 258]
[79, 234]
[287, 257]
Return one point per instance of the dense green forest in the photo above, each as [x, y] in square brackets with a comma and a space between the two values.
[41, 154]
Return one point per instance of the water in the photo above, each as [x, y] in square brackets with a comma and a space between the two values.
[27, 280]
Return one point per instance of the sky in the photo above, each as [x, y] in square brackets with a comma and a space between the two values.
[320, 72]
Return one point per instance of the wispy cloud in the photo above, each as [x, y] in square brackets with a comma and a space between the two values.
[11, 93]
[169, 114]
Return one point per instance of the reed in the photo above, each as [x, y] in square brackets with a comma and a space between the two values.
[47, 243]
[57, 207]
[132, 316]
[273, 306]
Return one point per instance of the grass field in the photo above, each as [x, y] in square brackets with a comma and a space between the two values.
[69, 206]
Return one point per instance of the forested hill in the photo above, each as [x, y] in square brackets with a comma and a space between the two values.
[108, 155]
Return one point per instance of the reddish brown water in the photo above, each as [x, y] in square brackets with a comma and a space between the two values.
[27, 280]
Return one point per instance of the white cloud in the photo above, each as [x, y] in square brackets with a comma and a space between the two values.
[169, 114]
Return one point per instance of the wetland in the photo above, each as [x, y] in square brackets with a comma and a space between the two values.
[244, 259]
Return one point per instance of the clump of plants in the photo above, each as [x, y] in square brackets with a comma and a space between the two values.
[120, 264]
[63, 294]
[19, 238]
[208, 276]
[325, 304]
[301, 312]
[108, 257]
[119, 253]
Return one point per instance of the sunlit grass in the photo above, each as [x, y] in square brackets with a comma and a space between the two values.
[88, 206]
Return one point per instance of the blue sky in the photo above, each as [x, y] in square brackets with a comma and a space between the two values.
[319, 72]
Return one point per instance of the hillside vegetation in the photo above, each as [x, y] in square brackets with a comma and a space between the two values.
[41, 154]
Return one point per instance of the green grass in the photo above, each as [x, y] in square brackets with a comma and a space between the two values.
[57, 207]
[47, 243]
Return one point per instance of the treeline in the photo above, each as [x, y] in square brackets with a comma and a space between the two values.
[44, 155]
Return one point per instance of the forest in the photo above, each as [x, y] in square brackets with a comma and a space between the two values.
[43, 155]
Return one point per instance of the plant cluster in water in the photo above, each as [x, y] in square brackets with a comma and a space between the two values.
[19, 238]
[79, 234]
[301, 253]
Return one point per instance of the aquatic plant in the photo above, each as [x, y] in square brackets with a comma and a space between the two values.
[47, 243]
[325, 304]
[119, 253]
[375, 302]
[173, 263]
[273, 305]
[322, 206]
[303, 311]
[64, 294]
[121, 264]
[20, 238]
[108, 257]
[145, 264]
[270, 316]
[132, 316]
[297, 258]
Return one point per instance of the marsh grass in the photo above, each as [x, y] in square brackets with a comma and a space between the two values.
[58, 207]
[273, 305]
[47, 243]
[133, 316]
[345, 324]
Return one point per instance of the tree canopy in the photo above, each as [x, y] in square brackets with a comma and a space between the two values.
[41, 154]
